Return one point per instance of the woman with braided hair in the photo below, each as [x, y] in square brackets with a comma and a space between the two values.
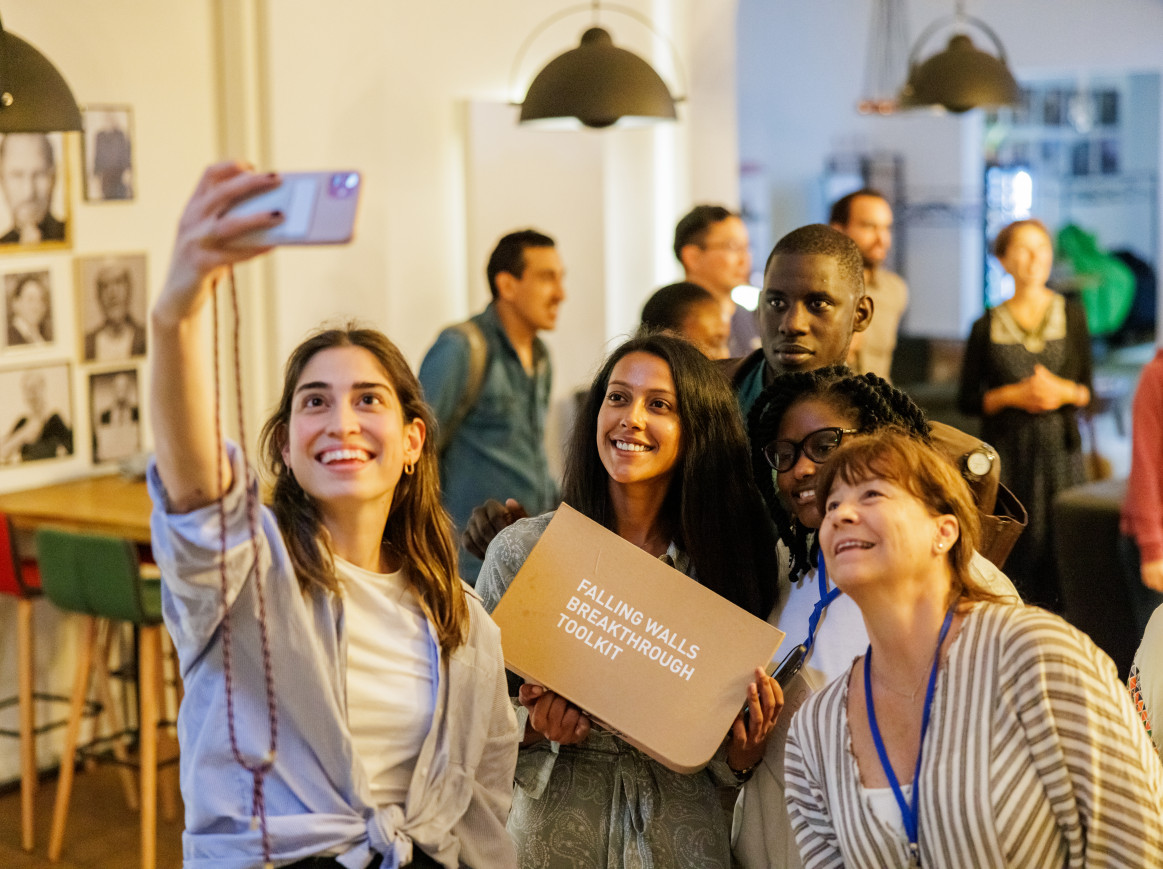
[796, 423]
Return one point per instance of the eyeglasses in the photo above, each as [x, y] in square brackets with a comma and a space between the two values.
[730, 247]
[817, 446]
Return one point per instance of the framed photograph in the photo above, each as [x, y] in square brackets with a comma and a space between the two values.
[114, 417]
[111, 307]
[28, 309]
[108, 157]
[37, 424]
[34, 196]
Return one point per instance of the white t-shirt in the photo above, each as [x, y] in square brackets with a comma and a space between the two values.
[1146, 682]
[841, 635]
[391, 677]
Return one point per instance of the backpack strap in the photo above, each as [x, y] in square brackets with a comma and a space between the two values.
[478, 358]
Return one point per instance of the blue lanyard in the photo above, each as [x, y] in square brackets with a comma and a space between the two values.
[910, 814]
[826, 597]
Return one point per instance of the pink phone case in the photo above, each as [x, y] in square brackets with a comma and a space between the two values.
[319, 208]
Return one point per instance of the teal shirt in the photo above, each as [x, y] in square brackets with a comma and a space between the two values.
[498, 451]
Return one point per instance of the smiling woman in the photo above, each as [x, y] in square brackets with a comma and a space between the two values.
[659, 457]
[972, 732]
[327, 646]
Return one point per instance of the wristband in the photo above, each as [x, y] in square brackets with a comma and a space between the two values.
[742, 776]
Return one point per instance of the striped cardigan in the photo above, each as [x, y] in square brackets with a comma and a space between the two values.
[1034, 758]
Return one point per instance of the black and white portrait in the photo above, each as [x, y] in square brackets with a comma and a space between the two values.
[37, 423]
[28, 309]
[114, 416]
[33, 210]
[108, 153]
[111, 307]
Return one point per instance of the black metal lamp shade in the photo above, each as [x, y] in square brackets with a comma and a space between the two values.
[597, 83]
[961, 77]
[34, 97]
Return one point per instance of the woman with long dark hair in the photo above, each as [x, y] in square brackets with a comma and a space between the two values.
[658, 456]
[345, 697]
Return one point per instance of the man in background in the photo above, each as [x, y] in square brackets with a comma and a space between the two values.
[119, 336]
[712, 244]
[488, 382]
[866, 217]
[28, 174]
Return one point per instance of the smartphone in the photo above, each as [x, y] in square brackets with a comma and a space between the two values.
[318, 208]
[784, 673]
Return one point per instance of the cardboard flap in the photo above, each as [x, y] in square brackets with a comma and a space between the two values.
[645, 650]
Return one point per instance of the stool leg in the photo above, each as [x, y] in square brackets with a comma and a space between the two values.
[105, 694]
[149, 650]
[69, 754]
[167, 775]
[28, 780]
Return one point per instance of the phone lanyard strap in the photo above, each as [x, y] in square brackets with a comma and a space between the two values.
[826, 597]
[910, 814]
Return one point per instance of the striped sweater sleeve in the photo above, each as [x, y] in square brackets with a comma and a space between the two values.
[805, 767]
[1074, 722]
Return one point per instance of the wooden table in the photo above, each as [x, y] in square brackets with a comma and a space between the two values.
[102, 505]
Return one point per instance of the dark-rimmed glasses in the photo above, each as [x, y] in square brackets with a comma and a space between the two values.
[817, 446]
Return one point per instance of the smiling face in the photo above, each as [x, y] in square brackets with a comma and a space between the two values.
[30, 303]
[347, 441]
[797, 486]
[876, 532]
[808, 312]
[639, 431]
[1029, 256]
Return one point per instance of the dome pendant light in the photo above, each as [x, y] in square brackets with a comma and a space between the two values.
[34, 97]
[597, 83]
[961, 77]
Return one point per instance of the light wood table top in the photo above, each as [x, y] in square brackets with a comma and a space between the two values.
[102, 505]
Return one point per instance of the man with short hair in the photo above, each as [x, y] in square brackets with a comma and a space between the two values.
[712, 244]
[866, 217]
[492, 442]
[118, 336]
[28, 174]
[813, 302]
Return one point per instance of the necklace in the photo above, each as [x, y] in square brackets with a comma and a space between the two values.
[912, 695]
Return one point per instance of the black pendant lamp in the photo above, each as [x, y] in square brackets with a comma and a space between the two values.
[34, 97]
[597, 83]
[961, 77]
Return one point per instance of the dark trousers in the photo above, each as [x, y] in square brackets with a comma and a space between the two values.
[420, 860]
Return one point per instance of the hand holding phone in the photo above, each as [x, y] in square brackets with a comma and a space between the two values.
[317, 208]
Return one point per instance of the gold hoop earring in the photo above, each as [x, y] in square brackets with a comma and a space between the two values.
[409, 468]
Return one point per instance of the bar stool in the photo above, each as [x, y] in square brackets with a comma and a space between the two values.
[20, 579]
[100, 577]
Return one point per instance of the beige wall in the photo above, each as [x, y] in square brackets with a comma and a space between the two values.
[413, 95]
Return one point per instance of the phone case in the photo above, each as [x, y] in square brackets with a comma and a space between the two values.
[319, 208]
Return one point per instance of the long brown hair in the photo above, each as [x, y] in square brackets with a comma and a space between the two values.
[417, 528]
[904, 460]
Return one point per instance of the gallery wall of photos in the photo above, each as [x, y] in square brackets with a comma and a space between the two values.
[73, 336]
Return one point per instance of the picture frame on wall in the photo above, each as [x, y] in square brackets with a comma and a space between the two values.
[108, 153]
[34, 192]
[28, 309]
[37, 425]
[111, 307]
[114, 414]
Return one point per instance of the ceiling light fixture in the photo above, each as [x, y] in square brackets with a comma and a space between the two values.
[34, 97]
[961, 77]
[597, 83]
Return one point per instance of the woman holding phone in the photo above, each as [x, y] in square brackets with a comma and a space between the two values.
[331, 648]
[657, 456]
[972, 732]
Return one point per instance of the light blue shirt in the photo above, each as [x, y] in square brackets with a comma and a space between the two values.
[317, 795]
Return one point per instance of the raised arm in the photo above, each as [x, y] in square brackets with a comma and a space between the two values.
[181, 405]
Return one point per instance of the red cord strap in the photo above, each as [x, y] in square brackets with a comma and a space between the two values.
[257, 768]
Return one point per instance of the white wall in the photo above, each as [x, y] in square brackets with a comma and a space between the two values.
[801, 66]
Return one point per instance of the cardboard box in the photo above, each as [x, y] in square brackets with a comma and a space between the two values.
[646, 651]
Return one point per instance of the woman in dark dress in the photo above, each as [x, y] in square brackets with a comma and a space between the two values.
[1027, 372]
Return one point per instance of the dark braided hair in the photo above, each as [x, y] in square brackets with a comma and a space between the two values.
[873, 401]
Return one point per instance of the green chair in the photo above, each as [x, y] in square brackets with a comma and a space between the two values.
[100, 577]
